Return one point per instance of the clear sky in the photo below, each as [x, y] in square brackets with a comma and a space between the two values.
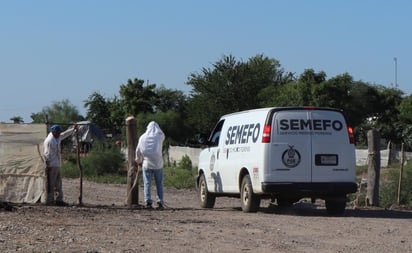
[53, 50]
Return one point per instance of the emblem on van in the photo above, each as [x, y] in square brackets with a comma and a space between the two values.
[291, 157]
[212, 162]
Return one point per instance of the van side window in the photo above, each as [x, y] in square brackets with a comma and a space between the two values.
[215, 136]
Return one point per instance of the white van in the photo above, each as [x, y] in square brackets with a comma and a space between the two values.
[282, 153]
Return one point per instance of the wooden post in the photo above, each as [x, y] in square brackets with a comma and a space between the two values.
[47, 179]
[79, 165]
[132, 171]
[398, 200]
[374, 166]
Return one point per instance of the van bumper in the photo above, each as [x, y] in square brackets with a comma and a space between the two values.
[310, 189]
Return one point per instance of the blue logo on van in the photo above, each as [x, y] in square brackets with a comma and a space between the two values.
[291, 157]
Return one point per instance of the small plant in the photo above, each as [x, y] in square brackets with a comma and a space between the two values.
[180, 176]
[185, 163]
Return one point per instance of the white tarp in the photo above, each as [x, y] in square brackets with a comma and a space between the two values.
[22, 177]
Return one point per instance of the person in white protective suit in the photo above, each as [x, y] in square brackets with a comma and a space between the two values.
[149, 156]
[52, 160]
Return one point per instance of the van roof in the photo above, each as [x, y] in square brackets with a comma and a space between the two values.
[280, 108]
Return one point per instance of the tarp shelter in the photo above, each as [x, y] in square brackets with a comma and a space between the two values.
[88, 133]
[22, 176]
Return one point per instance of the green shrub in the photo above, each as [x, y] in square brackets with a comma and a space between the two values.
[70, 170]
[388, 190]
[185, 163]
[179, 178]
[104, 166]
[98, 162]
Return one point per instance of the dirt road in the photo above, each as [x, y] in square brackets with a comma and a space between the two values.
[105, 224]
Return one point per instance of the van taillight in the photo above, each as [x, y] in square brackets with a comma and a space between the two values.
[266, 134]
[351, 136]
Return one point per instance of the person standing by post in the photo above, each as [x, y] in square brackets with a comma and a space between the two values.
[52, 160]
[149, 155]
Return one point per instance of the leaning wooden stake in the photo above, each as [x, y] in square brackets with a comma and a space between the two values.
[374, 166]
[132, 172]
[398, 200]
[79, 166]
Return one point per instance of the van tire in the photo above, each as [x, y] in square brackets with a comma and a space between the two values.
[250, 202]
[336, 206]
[207, 199]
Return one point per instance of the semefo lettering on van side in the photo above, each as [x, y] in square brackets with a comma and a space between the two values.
[309, 124]
[242, 134]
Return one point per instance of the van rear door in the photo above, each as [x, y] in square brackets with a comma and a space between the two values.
[290, 151]
[333, 156]
[310, 145]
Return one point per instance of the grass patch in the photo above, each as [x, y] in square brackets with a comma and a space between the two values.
[108, 167]
[179, 178]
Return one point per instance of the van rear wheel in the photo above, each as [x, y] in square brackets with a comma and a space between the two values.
[207, 199]
[250, 202]
[336, 206]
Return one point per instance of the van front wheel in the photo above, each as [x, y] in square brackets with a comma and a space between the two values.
[250, 201]
[207, 199]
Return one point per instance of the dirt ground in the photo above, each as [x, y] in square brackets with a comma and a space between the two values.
[105, 224]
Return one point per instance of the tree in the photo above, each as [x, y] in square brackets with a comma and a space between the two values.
[168, 99]
[17, 120]
[136, 98]
[62, 112]
[387, 114]
[169, 111]
[171, 108]
[172, 124]
[294, 92]
[230, 86]
[334, 92]
[38, 117]
[405, 110]
[98, 110]
[405, 117]
[117, 114]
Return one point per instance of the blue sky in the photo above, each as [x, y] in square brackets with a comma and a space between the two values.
[55, 50]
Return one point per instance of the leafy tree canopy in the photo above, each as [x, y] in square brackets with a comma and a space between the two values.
[62, 112]
[231, 86]
[136, 98]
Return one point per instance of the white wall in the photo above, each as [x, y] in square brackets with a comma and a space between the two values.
[176, 153]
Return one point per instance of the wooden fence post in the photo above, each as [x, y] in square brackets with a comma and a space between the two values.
[132, 171]
[79, 165]
[398, 199]
[374, 166]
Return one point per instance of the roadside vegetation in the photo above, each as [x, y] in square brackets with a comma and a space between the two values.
[107, 165]
[388, 186]
[389, 183]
